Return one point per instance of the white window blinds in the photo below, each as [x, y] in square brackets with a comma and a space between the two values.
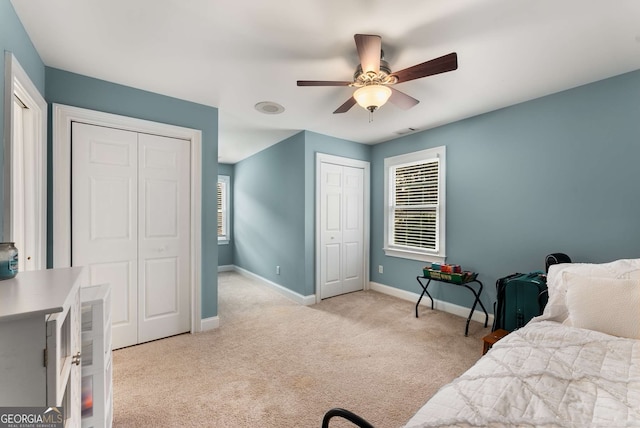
[415, 205]
[223, 208]
[415, 210]
[220, 216]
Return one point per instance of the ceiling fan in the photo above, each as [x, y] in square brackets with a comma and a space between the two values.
[373, 77]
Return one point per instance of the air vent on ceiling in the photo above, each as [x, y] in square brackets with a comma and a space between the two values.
[406, 131]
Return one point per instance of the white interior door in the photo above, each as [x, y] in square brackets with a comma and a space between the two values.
[131, 228]
[22, 185]
[341, 229]
[25, 169]
[104, 219]
[163, 266]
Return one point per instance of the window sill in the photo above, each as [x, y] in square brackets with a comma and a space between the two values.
[412, 255]
[223, 241]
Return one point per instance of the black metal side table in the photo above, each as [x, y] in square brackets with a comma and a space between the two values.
[465, 285]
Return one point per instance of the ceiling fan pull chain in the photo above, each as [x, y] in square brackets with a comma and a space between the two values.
[370, 116]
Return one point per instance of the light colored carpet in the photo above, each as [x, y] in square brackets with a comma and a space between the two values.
[274, 363]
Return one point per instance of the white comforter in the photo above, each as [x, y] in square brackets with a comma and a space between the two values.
[545, 374]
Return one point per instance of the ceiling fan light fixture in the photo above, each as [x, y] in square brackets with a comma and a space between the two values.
[371, 97]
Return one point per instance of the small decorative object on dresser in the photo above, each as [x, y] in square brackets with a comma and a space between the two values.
[8, 260]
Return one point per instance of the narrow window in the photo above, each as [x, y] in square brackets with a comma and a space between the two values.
[223, 209]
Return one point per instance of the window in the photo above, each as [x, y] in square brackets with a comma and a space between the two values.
[415, 205]
[223, 209]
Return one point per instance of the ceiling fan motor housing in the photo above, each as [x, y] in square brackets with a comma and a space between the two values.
[382, 77]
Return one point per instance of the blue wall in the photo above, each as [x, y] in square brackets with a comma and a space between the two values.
[75, 90]
[269, 217]
[14, 39]
[225, 251]
[274, 208]
[556, 174]
[553, 174]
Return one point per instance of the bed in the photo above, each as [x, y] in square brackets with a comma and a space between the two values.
[576, 365]
[545, 374]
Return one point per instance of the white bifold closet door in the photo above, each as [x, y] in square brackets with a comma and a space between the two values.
[130, 227]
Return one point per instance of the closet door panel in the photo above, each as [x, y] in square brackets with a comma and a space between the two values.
[122, 275]
[104, 213]
[161, 274]
[164, 237]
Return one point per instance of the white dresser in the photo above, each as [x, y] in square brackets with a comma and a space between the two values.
[97, 384]
[40, 342]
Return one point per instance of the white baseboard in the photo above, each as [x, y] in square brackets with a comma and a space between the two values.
[440, 305]
[209, 323]
[296, 297]
[226, 268]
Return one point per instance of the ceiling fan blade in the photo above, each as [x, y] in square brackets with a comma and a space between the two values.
[369, 50]
[346, 106]
[429, 68]
[402, 100]
[322, 83]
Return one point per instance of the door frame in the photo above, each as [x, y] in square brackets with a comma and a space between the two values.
[17, 82]
[63, 116]
[354, 163]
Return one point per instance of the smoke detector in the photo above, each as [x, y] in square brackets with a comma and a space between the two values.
[269, 107]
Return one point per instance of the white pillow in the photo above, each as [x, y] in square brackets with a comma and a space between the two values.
[606, 305]
[556, 309]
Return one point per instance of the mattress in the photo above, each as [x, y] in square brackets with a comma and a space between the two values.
[544, 374]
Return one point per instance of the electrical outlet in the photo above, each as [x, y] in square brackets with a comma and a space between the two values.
[380, 269]
[277, 270]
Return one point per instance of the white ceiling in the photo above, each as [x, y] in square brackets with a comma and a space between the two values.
[234, 54]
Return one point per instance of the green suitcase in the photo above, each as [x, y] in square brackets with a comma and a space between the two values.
[520, 297]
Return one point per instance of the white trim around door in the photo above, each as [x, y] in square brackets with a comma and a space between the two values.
[33, 221]
[63, 116]
[354, 163]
